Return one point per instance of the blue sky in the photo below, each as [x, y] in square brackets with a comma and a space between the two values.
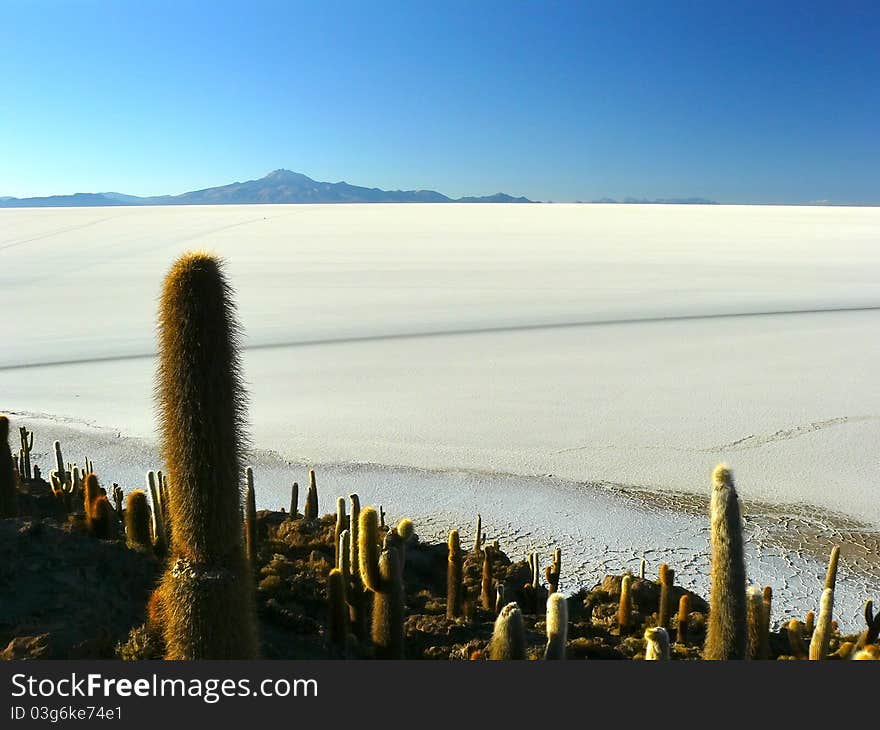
[735, 101]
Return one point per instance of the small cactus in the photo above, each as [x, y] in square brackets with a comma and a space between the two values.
[657, 644]
[508, 637]
[872, 632]
[754, 622]
[250, 519]
[118, 498]
[766, 606]
[337, 624]
[294, 501]
[624, 610]
[822, 633]
[667, 582]
[795, 631]
[726, 632]
[160, 529]
[684, 610]
[341, 526]
[478, 537]
[310, 511]
[137, 521]
[557, 626]
[454, 577]
[551, 572]
[27, 445]
[487, 591]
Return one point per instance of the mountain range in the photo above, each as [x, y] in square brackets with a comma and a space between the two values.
[280, 186]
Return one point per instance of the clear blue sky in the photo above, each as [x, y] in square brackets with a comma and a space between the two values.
[736, 101]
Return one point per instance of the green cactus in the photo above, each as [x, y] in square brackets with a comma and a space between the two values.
[310, 511]
[508, 637]
[381, 574]
[250, 520]
[207, 592]
[454, 577]
[667, 583]
[822, 633]
[137, 522]
[726, 636]
[557, 626]
[8, 481]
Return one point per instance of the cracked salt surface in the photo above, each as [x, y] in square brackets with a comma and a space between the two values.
[474, 350]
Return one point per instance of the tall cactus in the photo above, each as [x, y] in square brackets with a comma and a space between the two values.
[454, 577]
[206, 592]
[8, 481]
[357, 597]
[557, 626]
[160, 528]
[726, 633]
[341, 526]
[509, 636]
[831, 574]
[487, 589]
[137, 521]
[381, 574]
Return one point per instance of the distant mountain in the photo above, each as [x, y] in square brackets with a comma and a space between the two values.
[659, 201]
[280, 186]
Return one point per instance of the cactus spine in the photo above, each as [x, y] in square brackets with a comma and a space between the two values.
[726, 633]
[8, 481]
[206, 592]
[137, 521]
[822, 633]
[310, 510]
[509, 636]
[381, 574]
[657, 644]
[250, 519]
[557, 626]
[454, 577]
[667, 581]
